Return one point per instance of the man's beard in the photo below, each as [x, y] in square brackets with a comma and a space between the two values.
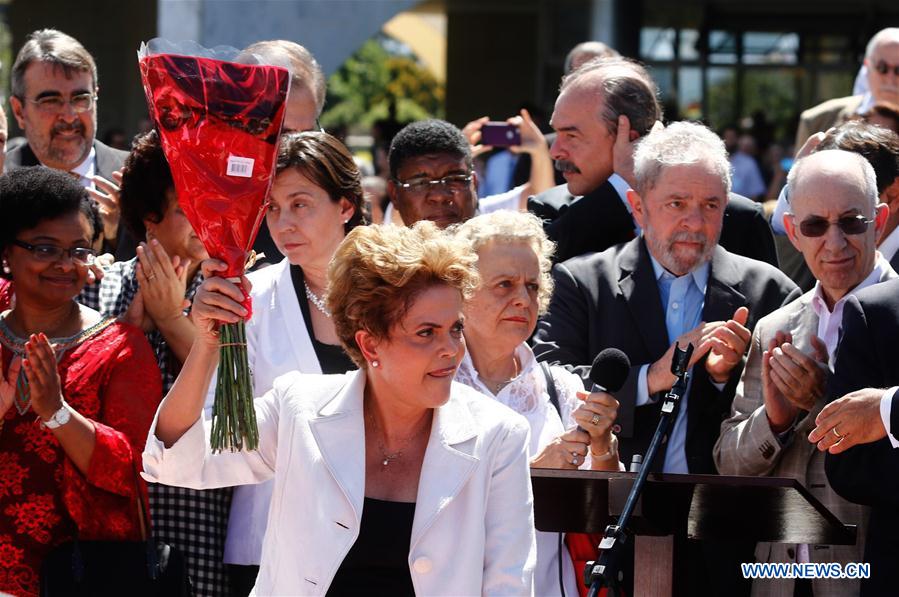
[674, 260]
[61, 154]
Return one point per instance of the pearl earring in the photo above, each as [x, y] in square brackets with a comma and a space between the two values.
[376, 363]
[5, 266]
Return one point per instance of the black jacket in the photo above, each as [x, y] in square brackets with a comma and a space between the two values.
[869, 473]
[600, 220]
[611, 299]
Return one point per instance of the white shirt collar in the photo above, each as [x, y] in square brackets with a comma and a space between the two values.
[86, 169]
[890, 245]
[866, 105]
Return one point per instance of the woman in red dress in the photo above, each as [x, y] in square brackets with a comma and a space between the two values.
[78, 391]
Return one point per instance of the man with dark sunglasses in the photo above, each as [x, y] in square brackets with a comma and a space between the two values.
[834, 222]
[882, 67]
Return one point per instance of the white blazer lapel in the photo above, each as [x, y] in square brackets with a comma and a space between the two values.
[449, 462]
[294, 326]
[339, 431]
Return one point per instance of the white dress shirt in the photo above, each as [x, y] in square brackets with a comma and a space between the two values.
[829, 322]
[86, 170]
[526, 394]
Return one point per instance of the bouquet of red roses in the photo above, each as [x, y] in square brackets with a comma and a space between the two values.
[219, 122]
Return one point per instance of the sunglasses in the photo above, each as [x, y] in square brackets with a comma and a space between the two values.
[883, 68]
[850, 225]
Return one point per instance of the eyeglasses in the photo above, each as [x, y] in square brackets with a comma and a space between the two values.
[817, 226]
[51, 253]
[883, 68]
[454, 183]
[55, 104]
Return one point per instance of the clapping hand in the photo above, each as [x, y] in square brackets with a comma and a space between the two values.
[727, 344]
[163, 282]
[791, 380]
[107, 194]
[9, 385]
[43, 377]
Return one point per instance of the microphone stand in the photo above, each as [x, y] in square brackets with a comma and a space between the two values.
[604, 572]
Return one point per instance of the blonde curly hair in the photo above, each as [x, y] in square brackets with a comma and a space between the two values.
[512, 227]
[378, 271]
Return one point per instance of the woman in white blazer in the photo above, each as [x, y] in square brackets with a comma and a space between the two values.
[572, 431]
[390, 480]
[316, 199]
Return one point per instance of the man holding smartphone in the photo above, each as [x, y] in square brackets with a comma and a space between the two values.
[603, 107]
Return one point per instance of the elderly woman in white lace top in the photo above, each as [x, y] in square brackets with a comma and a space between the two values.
[514, 264]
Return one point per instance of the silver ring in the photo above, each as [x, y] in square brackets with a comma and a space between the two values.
[574, 458]
[595, 419]
[151, 276]
[837, 433]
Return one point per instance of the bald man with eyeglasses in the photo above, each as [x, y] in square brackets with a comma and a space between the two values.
[834, 222]
[881, 65]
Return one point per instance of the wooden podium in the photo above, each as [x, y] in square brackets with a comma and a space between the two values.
[706, 507]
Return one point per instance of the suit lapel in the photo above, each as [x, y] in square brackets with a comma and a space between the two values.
[339, 431]
[721, 296]
[288, 306]
[27, 157]
[107, 160]
[449, 462]
[640, 290]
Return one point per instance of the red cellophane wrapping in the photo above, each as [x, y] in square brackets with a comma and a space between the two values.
[219, 123]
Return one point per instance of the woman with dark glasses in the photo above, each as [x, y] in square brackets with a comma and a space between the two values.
[77, 390]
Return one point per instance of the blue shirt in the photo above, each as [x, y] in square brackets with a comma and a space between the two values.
[682, 298]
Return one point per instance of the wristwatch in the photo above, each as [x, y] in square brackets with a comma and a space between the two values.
[59, 418]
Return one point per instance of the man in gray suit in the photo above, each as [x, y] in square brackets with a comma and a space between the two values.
[835, 222]
[882, 66]
[54, 101]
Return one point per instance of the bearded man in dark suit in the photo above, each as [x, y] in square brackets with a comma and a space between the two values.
[603, 107]
[671, 284]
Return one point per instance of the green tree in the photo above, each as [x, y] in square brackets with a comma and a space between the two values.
[374, 84]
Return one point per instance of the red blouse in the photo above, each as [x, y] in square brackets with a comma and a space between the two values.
[111, 378]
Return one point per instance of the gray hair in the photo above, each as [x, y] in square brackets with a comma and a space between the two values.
[507, 226]
[588, 50]
[838, 156]
[888, 35]
[304, 68]
[52, 47]
[680, 143]
[625, 87]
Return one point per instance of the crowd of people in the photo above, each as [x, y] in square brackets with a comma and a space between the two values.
[410, 372]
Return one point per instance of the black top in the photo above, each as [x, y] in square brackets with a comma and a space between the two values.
[331, 357]
[378, 562]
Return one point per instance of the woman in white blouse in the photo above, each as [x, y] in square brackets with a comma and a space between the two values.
[390, 480]
[514, 265]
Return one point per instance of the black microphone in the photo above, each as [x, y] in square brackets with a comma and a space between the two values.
[609, 370]
[608, 373]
